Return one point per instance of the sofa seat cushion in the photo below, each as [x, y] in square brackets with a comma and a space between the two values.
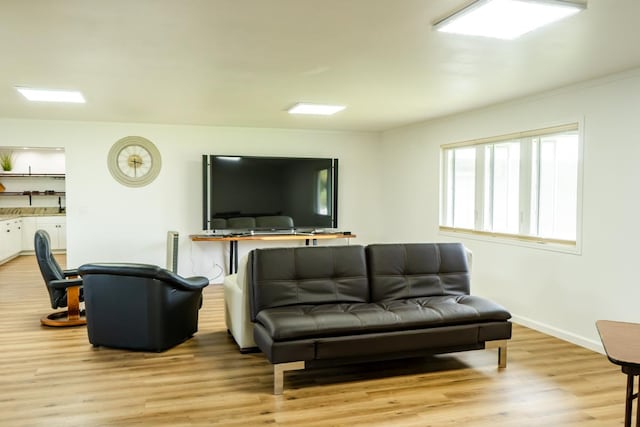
[326, 320]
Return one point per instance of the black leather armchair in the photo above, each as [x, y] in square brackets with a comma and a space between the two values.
[140, 306]
[64, 287]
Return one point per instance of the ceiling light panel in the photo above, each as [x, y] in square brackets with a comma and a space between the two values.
[506, 19]
[317, 109]
[47, 95]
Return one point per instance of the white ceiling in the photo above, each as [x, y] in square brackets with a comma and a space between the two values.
[244, 62]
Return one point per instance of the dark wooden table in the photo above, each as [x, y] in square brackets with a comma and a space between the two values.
[621, 341]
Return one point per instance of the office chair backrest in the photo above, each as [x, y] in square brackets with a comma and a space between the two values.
[277, 221]
[49, 267]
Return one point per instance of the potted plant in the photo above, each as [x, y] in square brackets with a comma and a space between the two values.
[6, 160]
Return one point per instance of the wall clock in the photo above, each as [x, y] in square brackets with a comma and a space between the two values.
[134, 161]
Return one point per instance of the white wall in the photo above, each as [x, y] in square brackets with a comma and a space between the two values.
[389, 189]
[563, 294]
[110, 222]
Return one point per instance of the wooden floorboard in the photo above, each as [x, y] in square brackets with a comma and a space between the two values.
[54, 377]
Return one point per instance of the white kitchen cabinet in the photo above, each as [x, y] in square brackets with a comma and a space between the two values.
[56, 226]
[10, 238]
[4, 240]
[28, 231]
[16, 235]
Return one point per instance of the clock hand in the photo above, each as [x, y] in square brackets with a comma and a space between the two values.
[135, 167]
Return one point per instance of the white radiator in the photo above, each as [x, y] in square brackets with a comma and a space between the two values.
[172, 251]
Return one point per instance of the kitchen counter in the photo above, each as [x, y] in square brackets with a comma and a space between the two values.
[11, 213]
[19, 226]
[6, 217]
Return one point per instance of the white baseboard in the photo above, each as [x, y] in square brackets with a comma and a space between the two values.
[559, 333]
[9, 258]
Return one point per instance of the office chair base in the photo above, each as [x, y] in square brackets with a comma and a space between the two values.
[62, 318]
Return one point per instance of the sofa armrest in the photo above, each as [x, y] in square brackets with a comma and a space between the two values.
[241, 280]
[236, 302]
[469, 257]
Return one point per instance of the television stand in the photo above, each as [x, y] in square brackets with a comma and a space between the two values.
[309, 238]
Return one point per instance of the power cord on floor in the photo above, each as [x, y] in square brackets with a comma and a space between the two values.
[214, 267]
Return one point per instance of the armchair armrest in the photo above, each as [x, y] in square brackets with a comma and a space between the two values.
[70, 272]
[64, 284]
[186, 283]
[146, 270]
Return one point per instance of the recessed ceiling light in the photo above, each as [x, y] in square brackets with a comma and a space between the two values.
[47, 95]
[319, 109]
[506, 19]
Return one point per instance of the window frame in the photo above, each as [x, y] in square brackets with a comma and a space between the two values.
[520, 238]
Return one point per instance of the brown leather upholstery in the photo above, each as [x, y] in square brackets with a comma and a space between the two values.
[290, 276]
[348, 302]
[399, 271]
[326, 320]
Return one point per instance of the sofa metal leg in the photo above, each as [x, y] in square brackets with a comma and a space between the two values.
[502, 351]
[278, 374]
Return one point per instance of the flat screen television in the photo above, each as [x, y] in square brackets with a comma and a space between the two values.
[276, 192]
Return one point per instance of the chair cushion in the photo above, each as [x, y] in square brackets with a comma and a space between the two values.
[324, 320]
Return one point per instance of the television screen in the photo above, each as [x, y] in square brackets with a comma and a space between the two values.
[255, 193]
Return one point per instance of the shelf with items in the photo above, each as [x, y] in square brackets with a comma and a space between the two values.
[30, 194]
[31, 175]
[42, 180]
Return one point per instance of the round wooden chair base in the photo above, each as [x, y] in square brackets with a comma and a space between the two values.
[60, 318]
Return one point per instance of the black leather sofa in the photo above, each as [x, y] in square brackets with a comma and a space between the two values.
[318, 306]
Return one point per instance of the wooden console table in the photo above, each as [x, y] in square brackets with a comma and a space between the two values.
[309, 238]
[621, 341]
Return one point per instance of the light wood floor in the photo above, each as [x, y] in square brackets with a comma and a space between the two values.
[54, 377]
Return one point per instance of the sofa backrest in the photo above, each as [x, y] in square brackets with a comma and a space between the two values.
[398, 271]
[306, 275]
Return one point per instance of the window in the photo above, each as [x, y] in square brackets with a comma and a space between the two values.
[523, 185]
[461, 187]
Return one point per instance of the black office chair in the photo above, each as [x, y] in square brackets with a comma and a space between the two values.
[64, 287]
[241, 222]
[274, 221]
[140, 306]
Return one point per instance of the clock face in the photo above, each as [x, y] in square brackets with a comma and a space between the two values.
[134, 161]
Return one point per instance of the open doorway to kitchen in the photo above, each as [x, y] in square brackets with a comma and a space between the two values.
[32, 197]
